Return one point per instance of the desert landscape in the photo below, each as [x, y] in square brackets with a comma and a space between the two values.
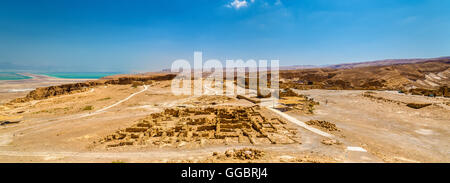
[391, 111]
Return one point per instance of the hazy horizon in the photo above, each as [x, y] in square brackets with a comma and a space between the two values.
[140, 36]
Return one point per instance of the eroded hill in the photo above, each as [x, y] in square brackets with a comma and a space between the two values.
[135, 80]
[426, 75]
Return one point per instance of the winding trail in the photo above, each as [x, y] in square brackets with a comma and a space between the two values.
[117, 103]
[7, 138]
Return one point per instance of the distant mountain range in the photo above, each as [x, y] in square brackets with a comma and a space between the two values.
[391, 74]
[384, 62]
[364, 64]
[7, 66]
[357, 64]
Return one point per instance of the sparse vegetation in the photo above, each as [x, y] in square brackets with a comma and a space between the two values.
[88, 108]
[135, 84]
[417, 106]
[311, 110]
[41, 111]
[103, 99]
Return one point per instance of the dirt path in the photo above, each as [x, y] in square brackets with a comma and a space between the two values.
[300, 123]
[353, 152]
[115, 104]
[394, 132]
[158, 155]
[7, 138]
[371, 131]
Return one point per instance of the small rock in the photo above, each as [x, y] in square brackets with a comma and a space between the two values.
[229, 153]
[330, 141]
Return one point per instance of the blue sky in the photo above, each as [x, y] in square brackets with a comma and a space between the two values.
[136, 35]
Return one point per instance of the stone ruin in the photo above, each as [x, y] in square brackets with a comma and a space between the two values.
[443, 91]
[290, 100]
[211, 125]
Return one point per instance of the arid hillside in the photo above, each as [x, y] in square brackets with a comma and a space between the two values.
[384, 62]
[431, 74]
[137, 118]
[134, 80]
[430, 77]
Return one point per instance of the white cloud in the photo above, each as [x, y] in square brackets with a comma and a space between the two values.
[278, 2]
[238, 4]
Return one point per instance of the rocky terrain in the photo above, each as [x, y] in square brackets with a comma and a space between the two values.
[384, 113]
[200, 126]
[46, 92]
[384, 62]
[405, 76]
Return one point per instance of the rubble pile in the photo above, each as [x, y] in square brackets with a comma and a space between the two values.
[209, 100]
[248, 154]
[242, 154]
[442, 91]
[370, 96]
[288, 93]
[330, 141]
[323, 124]
[290, 100]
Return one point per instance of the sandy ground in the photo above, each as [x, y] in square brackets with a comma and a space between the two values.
[391, 131]
[65, 129]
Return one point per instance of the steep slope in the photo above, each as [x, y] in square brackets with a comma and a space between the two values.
[46, 92]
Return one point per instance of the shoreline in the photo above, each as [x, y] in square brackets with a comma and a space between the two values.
[63, 76]
[38, 78]
[79, 75]
[47, 77]
[11, 89]
[13, 76]
[41, 77]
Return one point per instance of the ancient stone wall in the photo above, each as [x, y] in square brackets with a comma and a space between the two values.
[218, 125]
